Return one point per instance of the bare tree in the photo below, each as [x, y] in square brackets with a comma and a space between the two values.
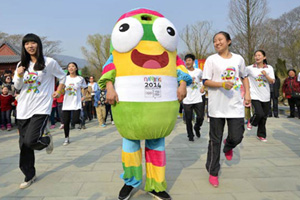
[198, 38]
[247, 17]
[99, 53]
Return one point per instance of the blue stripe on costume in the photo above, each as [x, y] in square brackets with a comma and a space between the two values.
[131, 181]
[131, 146]
[156, 144]
[109, 60]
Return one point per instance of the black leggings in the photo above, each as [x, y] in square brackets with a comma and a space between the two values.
[259, 118]
[67, 119]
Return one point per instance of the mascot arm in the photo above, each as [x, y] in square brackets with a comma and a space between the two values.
[108, 73]
[182, 72]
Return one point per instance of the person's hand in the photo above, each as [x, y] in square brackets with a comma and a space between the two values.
[227, 85]
[181, 91]
[264, 72]
[283, 95]
[21, 70]
[247, 98]
[111, 94]
[99, 102]
[82, 98]
[202, 90]
[56, 94]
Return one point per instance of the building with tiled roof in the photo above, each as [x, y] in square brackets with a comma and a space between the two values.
[10, 55]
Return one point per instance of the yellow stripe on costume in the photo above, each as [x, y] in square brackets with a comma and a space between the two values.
[133, 159]
[155, 172]
[182, 68]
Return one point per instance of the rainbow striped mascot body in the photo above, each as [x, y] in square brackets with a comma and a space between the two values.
[146, 71]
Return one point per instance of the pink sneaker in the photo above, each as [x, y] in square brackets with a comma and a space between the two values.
[8, 126]
[249, 127]
[61, 126]
[52, 126]
[228, 154]
[262, 139]
[213, 180]
[3, 127]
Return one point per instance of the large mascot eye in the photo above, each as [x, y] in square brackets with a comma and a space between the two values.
[34, 77]
[225, 73]
[166, 34]
[232, 73]
[126, 34]
[26, 77]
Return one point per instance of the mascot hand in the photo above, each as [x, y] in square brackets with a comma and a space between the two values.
[181, 91]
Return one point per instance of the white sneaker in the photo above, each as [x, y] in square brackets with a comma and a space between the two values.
[208, 120]
[61, 126]
[113, 123]
[27, 184]
[66, 142]
[50, 147]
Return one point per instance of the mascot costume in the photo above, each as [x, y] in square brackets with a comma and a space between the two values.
[145, 76]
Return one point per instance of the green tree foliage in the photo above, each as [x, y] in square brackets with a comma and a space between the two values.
[98, 50]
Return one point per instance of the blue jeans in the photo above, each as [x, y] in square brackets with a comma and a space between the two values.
[6, 117]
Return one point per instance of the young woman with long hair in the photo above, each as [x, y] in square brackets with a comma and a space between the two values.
[261, 75]
[72, 100]
[224, 73]
[34, 77]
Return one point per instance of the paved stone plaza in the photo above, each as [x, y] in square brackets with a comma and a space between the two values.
[90, 166]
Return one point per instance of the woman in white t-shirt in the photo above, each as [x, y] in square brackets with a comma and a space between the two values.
[34, 77]
[72, 99]
[223, 74]
[261, 75]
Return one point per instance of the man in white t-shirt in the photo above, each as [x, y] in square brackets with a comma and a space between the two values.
[193, 100]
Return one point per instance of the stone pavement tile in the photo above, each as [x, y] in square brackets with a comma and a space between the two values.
[51, 189]
[276, 184]
[241, 173]
[285, 161]
[94, 197]
[8, 189]
[203, 197]
[22, 198]
[181, 187]
[70, 166]
[104, 189]
[297, 193]
[246, 163]
[9, 159]
[285, 171]
[107, 166]
[185, 174]
[83, 177]
[225, 186]
[266, 196]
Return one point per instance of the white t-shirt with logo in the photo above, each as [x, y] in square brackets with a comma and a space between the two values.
[37, 88]
[298, 77]
[72, 98]
[193, 91]
[259, 85]
[224, 103]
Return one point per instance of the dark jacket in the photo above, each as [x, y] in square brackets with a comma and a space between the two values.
[275, 87]
[290, 84]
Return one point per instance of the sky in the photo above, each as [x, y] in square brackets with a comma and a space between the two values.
[71, 21]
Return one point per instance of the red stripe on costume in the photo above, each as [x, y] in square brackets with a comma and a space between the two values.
[179, 61]
[108, 68]
[157, 158]
[139, 11]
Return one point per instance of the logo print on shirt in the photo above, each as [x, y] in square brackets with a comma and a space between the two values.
[229, 75]
[261, 80]
[31, 79]
[152, 87]
[194, 84]
[70, 89]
